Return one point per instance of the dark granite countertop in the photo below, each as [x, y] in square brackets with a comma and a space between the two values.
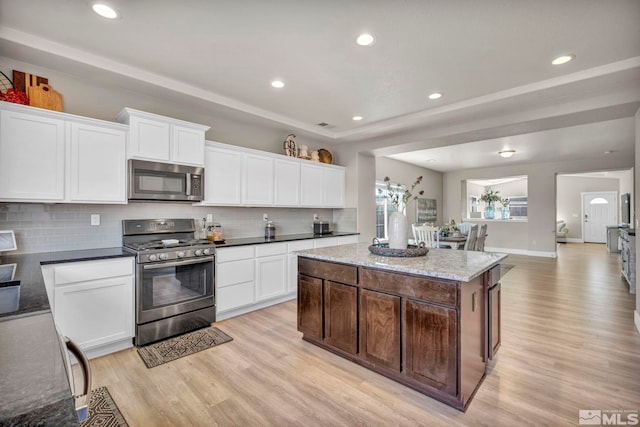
[34, 386]
[27, 283]
[284, 238]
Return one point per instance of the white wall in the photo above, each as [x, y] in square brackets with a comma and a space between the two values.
[569, 199]
[635, 217]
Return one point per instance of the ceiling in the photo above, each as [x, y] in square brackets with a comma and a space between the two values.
[490, 59]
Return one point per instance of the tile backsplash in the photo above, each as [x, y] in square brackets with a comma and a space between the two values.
[60, 227]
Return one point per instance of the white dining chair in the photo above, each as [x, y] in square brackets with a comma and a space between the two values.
[482, 235]
[427, 234]
[470, 244]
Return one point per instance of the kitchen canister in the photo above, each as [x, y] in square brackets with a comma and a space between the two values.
[269, 230]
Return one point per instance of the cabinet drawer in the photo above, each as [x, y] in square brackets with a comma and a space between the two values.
[335, 272]
[234, 254]
[234, 296]
[234, 272]
[271, 249]
[300, 245]
[325, 242]
[92, 270]
[439, 292]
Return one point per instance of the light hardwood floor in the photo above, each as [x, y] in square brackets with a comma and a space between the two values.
[568, 343]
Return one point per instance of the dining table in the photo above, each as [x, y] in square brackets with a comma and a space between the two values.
[454, 242]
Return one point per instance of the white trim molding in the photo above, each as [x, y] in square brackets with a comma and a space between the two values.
[521, 252]
[636, 319]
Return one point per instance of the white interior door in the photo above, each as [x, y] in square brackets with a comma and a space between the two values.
[598, 210]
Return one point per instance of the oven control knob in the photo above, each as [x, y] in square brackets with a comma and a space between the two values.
[198, 252]
[163, 256]
[180, 254]
[207, 251]
[152, 257]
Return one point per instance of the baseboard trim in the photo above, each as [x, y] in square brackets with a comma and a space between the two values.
[636, 319]
[521, 252]
[253, 307]
[574, 240]
[104, 349]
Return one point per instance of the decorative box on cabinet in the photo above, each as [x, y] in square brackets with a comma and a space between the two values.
[93, 303]
[47, 156]
[160, 138]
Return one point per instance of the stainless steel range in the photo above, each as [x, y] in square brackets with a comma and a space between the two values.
[175, 277]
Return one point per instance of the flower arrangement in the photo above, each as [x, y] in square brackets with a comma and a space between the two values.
[398, 198]
[490, 197]
[505, 202]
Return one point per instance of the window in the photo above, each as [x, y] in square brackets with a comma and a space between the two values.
[518, 207]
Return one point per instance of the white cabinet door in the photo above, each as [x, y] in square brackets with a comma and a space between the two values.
[223, 176]
[326, 242]
[98, 164]
[95, 313]
[271, 277]
[333, 187]
[32, 152]
[187, 145]
[287, 183]
[311, 190]
[300, 245]
[258, 180]
[150, 139]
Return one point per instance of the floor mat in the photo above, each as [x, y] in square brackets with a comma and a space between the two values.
[103, 411]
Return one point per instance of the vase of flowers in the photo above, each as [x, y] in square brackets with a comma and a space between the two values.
[398, 228]
[504, 214]
[490, 197]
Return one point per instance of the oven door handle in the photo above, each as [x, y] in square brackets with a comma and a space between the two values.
[177, 263]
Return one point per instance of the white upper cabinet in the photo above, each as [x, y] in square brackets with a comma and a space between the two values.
[258, 180]
[48, 156]
[286, 182]
[32, 149]
[311, 184]
[154, 137]
[333, 187]
[98, 165]
[223, 176]
[244, 177]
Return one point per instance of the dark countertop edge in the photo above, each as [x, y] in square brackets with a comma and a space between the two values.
[83, 255]
[279, 239]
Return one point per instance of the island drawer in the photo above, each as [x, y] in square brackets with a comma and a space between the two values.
[421, 288]
[335, 272]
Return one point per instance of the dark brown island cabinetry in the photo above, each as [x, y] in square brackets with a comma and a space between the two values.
[428, 333]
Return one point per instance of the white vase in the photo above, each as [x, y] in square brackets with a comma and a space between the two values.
[397, 231]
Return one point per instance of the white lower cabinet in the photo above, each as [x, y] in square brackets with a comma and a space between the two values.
[235, 279]
[256, 276]
[93, 303]
[271, 270]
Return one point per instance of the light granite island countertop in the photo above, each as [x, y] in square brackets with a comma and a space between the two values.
[431, 322]
[450, 264]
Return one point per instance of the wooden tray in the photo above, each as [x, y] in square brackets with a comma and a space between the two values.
[411, 251]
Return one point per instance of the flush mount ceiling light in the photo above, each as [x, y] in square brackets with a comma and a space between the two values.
[563, 59]
[435, 95]
[365, 39]
[104, 10]
[356, 118]
[277, 84]
[507, 153]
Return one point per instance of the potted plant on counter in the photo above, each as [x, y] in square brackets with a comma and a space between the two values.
[490, 197]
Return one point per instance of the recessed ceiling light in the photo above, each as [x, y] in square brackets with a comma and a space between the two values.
[277, 84]
[365, 39]
[435, 95]
[357, 118]
[104, 10]
[507, 153]
[562, 59]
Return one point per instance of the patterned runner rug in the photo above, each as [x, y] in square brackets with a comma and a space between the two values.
[180, 346]
[103, 411]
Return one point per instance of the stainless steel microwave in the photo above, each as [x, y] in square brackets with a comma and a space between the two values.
[165, 182]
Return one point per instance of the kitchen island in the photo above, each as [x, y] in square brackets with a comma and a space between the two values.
[428, 322]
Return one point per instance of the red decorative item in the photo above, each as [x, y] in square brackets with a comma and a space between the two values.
[15, 96]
